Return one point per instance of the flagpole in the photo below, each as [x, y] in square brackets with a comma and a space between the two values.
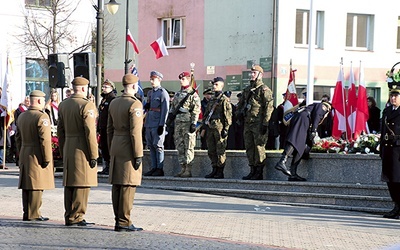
[311, 44]
[4, 142]
[343, 98]
[127, 61]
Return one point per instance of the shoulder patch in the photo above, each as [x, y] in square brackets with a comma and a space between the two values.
[138, 112]
[45, 122]
[90, 112]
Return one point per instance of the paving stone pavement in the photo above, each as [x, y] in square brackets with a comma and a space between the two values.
[181, 220]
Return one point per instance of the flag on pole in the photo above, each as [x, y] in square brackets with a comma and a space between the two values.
[338, 103]
[6, 96]
[362, 106]
[130, 39]
[351, 106]
[291, 98]
[140, 91]
[159, 47]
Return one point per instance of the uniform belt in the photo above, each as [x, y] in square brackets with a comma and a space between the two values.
[122, 133]
[392, 137]
[155, 109]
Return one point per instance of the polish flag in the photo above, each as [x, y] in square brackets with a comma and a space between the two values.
[291, 99]
[159, 48]
[362, 106]
[351, 106]
[338, 103]
[130, 39]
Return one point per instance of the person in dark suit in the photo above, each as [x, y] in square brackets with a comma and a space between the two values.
[76, 130]
[301, 132]
[36, 172]
[374, 120]
[124, 130]
[390, 150]
[107, 94]
[325, 129]
[203, 129]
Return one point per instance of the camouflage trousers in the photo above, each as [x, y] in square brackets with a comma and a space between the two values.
[254, 144]
[184, 142]
[216, 146]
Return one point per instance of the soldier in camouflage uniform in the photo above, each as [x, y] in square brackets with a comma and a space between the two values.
[254, 109]
[185, 124]
[218, 118]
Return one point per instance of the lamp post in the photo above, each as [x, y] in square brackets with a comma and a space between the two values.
[99, 47]
[112, 8]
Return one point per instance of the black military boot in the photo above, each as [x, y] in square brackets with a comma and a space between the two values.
[212, 174]
[258, 173]
[281, 165]
[252, 172]
[394, 213]
[150, 173]
[220, 172]
[293, 171]
[106, 169]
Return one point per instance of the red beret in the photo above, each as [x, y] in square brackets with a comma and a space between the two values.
[183, 74]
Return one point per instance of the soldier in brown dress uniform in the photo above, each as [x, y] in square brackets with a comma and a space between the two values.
[36, 172]
[124, 130]
[76, 131]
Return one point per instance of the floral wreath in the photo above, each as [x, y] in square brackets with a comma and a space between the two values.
[393, 78]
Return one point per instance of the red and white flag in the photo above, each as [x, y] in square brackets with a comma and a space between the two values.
[362, 107]
[130, 39]
[351, 106]
[291, 98]
[159, 47]
[338, 103]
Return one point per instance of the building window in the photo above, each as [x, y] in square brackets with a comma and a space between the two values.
[360, 31]
[38, 3]
[173, 30]
[398, 33]
[36, 75]
[302, 25]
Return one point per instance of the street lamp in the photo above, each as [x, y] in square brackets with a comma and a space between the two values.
[99, 46]
[112, 8]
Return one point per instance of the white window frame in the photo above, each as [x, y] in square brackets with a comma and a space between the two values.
[355, 32]
[304, 25]
[169, 29]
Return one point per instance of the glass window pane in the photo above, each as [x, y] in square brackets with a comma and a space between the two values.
[349, 30]
[299, 27]
[362, 31]
[398, 33]
[177, 32]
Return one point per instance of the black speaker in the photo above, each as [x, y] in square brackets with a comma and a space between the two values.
[85, 66]
[59, 70]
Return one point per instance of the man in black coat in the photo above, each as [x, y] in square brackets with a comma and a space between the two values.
[390, 150]
[108, 94]
[301, 132]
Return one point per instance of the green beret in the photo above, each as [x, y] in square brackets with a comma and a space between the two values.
[80, 81]
[37, 93]
[257, 68]
[129, 79]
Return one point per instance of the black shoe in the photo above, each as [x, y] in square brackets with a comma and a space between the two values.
[104, 171]
[158, 172]
[281, 167]
[130, 228]
[81, 223]
[393, 214]
[296, 178]
[41, 218]
[150, 173]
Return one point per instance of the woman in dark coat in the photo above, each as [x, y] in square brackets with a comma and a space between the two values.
[302, 130]
[390, 151]
[374, 116]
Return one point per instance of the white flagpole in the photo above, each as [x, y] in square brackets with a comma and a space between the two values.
[311, 44]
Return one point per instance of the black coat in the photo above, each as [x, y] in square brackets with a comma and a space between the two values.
[302, 124]
[103, 110]
[390, 147]
[374, 119]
